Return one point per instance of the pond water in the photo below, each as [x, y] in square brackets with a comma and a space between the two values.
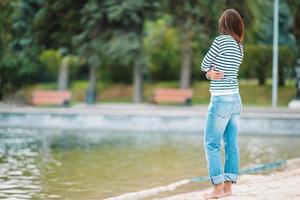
[56, 164]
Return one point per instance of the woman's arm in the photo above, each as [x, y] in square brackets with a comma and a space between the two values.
[214, 75]
[210, 56]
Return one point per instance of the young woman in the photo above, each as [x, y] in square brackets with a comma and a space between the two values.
[221, 65]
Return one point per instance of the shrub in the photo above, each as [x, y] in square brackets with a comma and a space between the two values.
[257, 62]
[162, 47]
[17, 71]
[52, 59]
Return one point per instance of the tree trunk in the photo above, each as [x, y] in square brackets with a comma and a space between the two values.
[91, 92]
[296, 26]
[1, 91]
[137, 82]
[186, 61]
[281, 78]
[261, 73]
[63, 74]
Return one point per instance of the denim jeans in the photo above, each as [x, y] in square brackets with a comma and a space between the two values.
[222, 122]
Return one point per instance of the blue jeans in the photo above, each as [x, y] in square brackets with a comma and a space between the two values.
[222, 121]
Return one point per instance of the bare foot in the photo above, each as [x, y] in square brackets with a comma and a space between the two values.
[227, 188]
[218, 192]
[229, 193]
[214, 194]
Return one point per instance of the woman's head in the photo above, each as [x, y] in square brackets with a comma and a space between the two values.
[231, 23]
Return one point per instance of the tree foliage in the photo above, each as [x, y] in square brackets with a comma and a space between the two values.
[161, 44]
[262, 28]
[129, 40]
[56, 22]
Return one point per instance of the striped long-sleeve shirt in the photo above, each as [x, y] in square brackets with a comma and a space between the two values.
[225, 55]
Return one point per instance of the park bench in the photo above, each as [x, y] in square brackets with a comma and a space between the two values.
[51, 97]
[179, 96]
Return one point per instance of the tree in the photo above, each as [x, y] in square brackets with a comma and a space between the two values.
[90, 42]
[185, 15]
[58, 61]
[126, 22]
[6, 9]
[161, 46]
[196, 22]
[294, 6]
[52, 59]
[263, 24]
[19, 64]
[23, 25]
[55, 24]
[47, 24]
[262, 27]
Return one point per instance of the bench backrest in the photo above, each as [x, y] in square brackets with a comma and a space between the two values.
[50, 97]
[174, 92]
[172, 95]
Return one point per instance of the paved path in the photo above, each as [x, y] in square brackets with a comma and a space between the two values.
[146, 109]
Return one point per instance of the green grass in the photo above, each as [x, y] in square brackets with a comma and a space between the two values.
[251, 92]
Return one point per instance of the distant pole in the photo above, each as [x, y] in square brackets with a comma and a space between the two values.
[275, 55]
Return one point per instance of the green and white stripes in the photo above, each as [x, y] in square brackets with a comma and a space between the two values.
[225, 55]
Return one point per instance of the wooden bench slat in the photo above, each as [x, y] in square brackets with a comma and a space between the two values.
[42, 97]
[45, 101]
[166, 100]
[65, 94]
[164, 95]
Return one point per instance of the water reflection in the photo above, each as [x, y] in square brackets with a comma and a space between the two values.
[19, 175]
[53, 164]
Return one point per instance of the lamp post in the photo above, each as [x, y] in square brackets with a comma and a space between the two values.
[275, 55]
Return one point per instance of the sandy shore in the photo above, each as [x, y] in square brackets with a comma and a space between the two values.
[280, 185]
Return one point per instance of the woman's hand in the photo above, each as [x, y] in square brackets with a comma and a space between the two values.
[214, 75]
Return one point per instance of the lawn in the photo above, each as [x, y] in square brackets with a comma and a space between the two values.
[251, 92]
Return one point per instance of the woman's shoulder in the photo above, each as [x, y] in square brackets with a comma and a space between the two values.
[221, 38]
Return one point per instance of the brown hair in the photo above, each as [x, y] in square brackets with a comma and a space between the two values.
[231, 23]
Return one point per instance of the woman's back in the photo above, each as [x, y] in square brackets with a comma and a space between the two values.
[224, 55]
